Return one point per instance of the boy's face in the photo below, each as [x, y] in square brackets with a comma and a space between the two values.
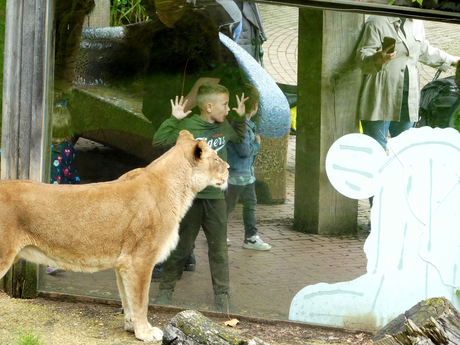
[218, 109]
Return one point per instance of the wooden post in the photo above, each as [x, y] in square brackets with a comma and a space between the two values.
[270, 169]
[28, 77]
[328, 89]
[100, 16]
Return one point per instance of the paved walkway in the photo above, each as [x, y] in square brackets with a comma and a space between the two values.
[281, 51]
[264, 283]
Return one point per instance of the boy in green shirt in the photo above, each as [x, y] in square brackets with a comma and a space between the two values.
[209, 208]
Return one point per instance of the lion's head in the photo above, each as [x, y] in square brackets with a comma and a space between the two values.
[208, 168]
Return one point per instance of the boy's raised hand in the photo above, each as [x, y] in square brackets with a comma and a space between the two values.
[241, 109]
[178, 107]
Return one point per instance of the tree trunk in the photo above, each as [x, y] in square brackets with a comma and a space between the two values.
[270, 168]
[70, 16]
[431, 322]
[100, 16]
[192, 327]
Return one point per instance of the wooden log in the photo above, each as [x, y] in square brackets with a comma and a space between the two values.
[192, 327]
[431, 322]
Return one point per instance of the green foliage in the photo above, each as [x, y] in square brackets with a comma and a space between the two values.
[124, 12]
[28, 338]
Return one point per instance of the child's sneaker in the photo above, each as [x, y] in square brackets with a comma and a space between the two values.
[157, 272]
[255, 243]
[190, 264]
[53, 270]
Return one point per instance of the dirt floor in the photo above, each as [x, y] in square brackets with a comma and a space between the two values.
[59, 322]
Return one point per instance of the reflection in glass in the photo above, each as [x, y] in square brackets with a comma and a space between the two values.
[124, 80]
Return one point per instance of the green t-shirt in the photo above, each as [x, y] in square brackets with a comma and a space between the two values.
[216, 135]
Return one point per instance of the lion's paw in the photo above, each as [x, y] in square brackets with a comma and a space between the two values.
[129, 326]
[153, 334]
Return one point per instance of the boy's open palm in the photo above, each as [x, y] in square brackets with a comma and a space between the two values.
[178, 107]
[241, 109]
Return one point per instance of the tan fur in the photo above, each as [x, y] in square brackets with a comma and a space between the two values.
[129, 224]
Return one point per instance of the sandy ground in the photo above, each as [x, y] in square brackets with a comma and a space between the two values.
[59, 322]
[80, 321]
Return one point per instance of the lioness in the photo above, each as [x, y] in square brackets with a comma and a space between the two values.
[128, 224]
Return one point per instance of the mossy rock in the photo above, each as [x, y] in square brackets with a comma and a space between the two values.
[114, 118]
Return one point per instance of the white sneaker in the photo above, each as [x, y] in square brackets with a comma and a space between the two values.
[229, 243]
[53, 270]
[255, 243]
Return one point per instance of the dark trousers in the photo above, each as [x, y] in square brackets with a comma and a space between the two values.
[248, 197]
[211, 216]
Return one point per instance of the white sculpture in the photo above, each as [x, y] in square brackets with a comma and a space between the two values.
[413, 250]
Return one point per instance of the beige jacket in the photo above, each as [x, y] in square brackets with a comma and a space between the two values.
[382, 87]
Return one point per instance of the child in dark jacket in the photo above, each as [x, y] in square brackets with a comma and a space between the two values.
[62, 154]
[241, 182]
[62, 149]
[208, 209]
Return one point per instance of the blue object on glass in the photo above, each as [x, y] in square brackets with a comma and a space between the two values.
[274, 108]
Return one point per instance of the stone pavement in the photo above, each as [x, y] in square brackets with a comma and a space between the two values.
[264, 283]
[280, 49]
[281, 28]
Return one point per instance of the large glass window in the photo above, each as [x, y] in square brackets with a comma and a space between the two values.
[115, 87]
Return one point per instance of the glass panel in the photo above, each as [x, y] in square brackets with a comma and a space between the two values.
[125, 77]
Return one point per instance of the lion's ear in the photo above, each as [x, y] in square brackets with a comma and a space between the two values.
[184, 135]
[198, 149]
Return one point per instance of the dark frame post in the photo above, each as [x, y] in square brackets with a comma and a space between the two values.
[27, 101]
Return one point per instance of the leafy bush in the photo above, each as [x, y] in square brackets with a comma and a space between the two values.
[127, 12]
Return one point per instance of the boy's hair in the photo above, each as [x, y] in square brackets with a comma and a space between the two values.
[208, 92]
[253, 97]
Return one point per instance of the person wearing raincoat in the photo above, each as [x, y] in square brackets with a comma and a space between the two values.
[390, 94]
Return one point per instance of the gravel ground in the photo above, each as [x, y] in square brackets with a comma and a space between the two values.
[59, 322]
